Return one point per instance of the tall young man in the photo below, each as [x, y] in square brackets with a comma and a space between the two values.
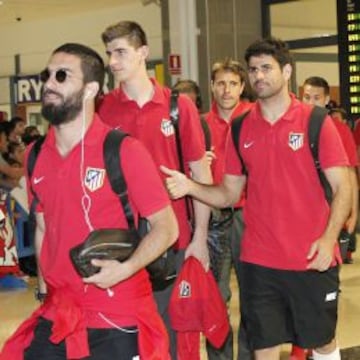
[317, 92]
[112, 314]
[228, 78]
[140, 107]
[289, 246]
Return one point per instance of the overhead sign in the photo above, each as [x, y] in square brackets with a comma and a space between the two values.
[175, 64]
[349, 55]
[28, 89]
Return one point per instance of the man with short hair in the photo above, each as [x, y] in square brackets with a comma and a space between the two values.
[140, 106]
[289, 247]
[111, 314]
[228, 79]
[317, 92]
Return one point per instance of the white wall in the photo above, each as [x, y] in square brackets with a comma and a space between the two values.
[34, 41]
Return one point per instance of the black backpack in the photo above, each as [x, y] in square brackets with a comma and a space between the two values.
[162, 271]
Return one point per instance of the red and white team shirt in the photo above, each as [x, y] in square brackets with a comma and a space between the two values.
[286, 210]
[152, 126]
[219, 129]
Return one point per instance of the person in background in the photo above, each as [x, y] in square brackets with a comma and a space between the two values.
[16, 129]
[228, 81]
[289, 247]
[140, 106]
[191, 89]
[15, 154]
[338, 114]
[111, 314]
[9, 176]
[317, 92]
[31, 133]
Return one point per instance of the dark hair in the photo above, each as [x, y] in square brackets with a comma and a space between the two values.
[229, 65]
[4, 127]
[272, 46]
[339, 110]
[131, 30]
[17, 119]
[92, 65]
[29, 136]
[189, 86]
[8, 127]
[318, 81]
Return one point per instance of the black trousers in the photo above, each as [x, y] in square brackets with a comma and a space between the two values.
[104, 344]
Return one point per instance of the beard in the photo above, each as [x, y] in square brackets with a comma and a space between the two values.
[64, 112]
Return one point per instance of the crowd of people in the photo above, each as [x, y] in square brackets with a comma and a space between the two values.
[14, 137]
[282, 237]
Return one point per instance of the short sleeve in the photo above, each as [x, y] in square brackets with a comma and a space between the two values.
[146, 190]
[331, 150]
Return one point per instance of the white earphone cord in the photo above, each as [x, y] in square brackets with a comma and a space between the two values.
[85, 199]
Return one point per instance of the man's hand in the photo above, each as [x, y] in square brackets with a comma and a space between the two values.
[351, 222]
[111, 273]
[321, 254]
[210, 156]
[177, 184]
[200, 251]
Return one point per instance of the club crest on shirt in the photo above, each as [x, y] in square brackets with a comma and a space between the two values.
[94, 178]
[296, 141]
[184, 289]
[167, 127]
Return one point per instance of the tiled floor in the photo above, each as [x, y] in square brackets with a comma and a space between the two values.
[17, 305]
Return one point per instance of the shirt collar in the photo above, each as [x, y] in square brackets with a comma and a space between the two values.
[289, 113]
[91, 136]
[158, 96]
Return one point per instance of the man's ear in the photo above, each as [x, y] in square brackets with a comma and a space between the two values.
[287, 71]
[91, 90]
[212, 86]
[327, 99]
[144, 50]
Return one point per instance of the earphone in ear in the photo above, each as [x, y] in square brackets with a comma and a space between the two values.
[88, 94]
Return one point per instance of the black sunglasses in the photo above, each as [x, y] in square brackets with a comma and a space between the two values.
[60, 75]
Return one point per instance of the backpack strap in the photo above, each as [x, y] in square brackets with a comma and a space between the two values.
[317, 117]
[206, 131]
[31, 161]
[114, 172]
[174, 118]
[235, 134]
[33, 155]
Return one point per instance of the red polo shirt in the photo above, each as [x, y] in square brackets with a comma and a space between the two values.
[286, 210]
[348, 142]
[56, 181]
[219, 129]
[152, 126]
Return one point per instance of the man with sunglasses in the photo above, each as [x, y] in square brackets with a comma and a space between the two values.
[111, 314]
[289, 251]
[140, 106]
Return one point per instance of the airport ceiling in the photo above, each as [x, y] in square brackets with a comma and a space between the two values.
[30, 10]
[304, 13]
